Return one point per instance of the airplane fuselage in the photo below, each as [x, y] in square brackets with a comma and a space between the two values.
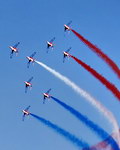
[46, 95]
[26, 112]
[67, 27]
[27, 83]
[30, 59]
[13, 49]
[66, 54]
[50, 44]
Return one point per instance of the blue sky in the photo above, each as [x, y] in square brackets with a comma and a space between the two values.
[33, 23]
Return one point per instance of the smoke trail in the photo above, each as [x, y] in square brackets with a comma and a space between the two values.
[109, 61]
[87, 96]
[103, 80]
[62, 132]
[102, 145]
[100, 132]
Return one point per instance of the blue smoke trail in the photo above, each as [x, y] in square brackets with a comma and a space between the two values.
[103, 134]
[63, 132]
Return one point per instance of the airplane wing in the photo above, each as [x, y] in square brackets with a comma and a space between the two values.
[30, 79]
[28, 64]
[52, 40]
[48, 91]
[69, 23]
[68, 49]
[27, 108]
[25, 89]
[65, 28]
[64, 58]
[11, 54]
[47, 49]
[33, 54]
[16, 45]
[44, 101]
[44, 98]
[23, 117]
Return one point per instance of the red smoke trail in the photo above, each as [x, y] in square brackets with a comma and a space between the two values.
[109, 61]
[103, 145]
[103, 80]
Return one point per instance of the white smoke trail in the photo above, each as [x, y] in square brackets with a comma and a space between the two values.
[88, 97]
